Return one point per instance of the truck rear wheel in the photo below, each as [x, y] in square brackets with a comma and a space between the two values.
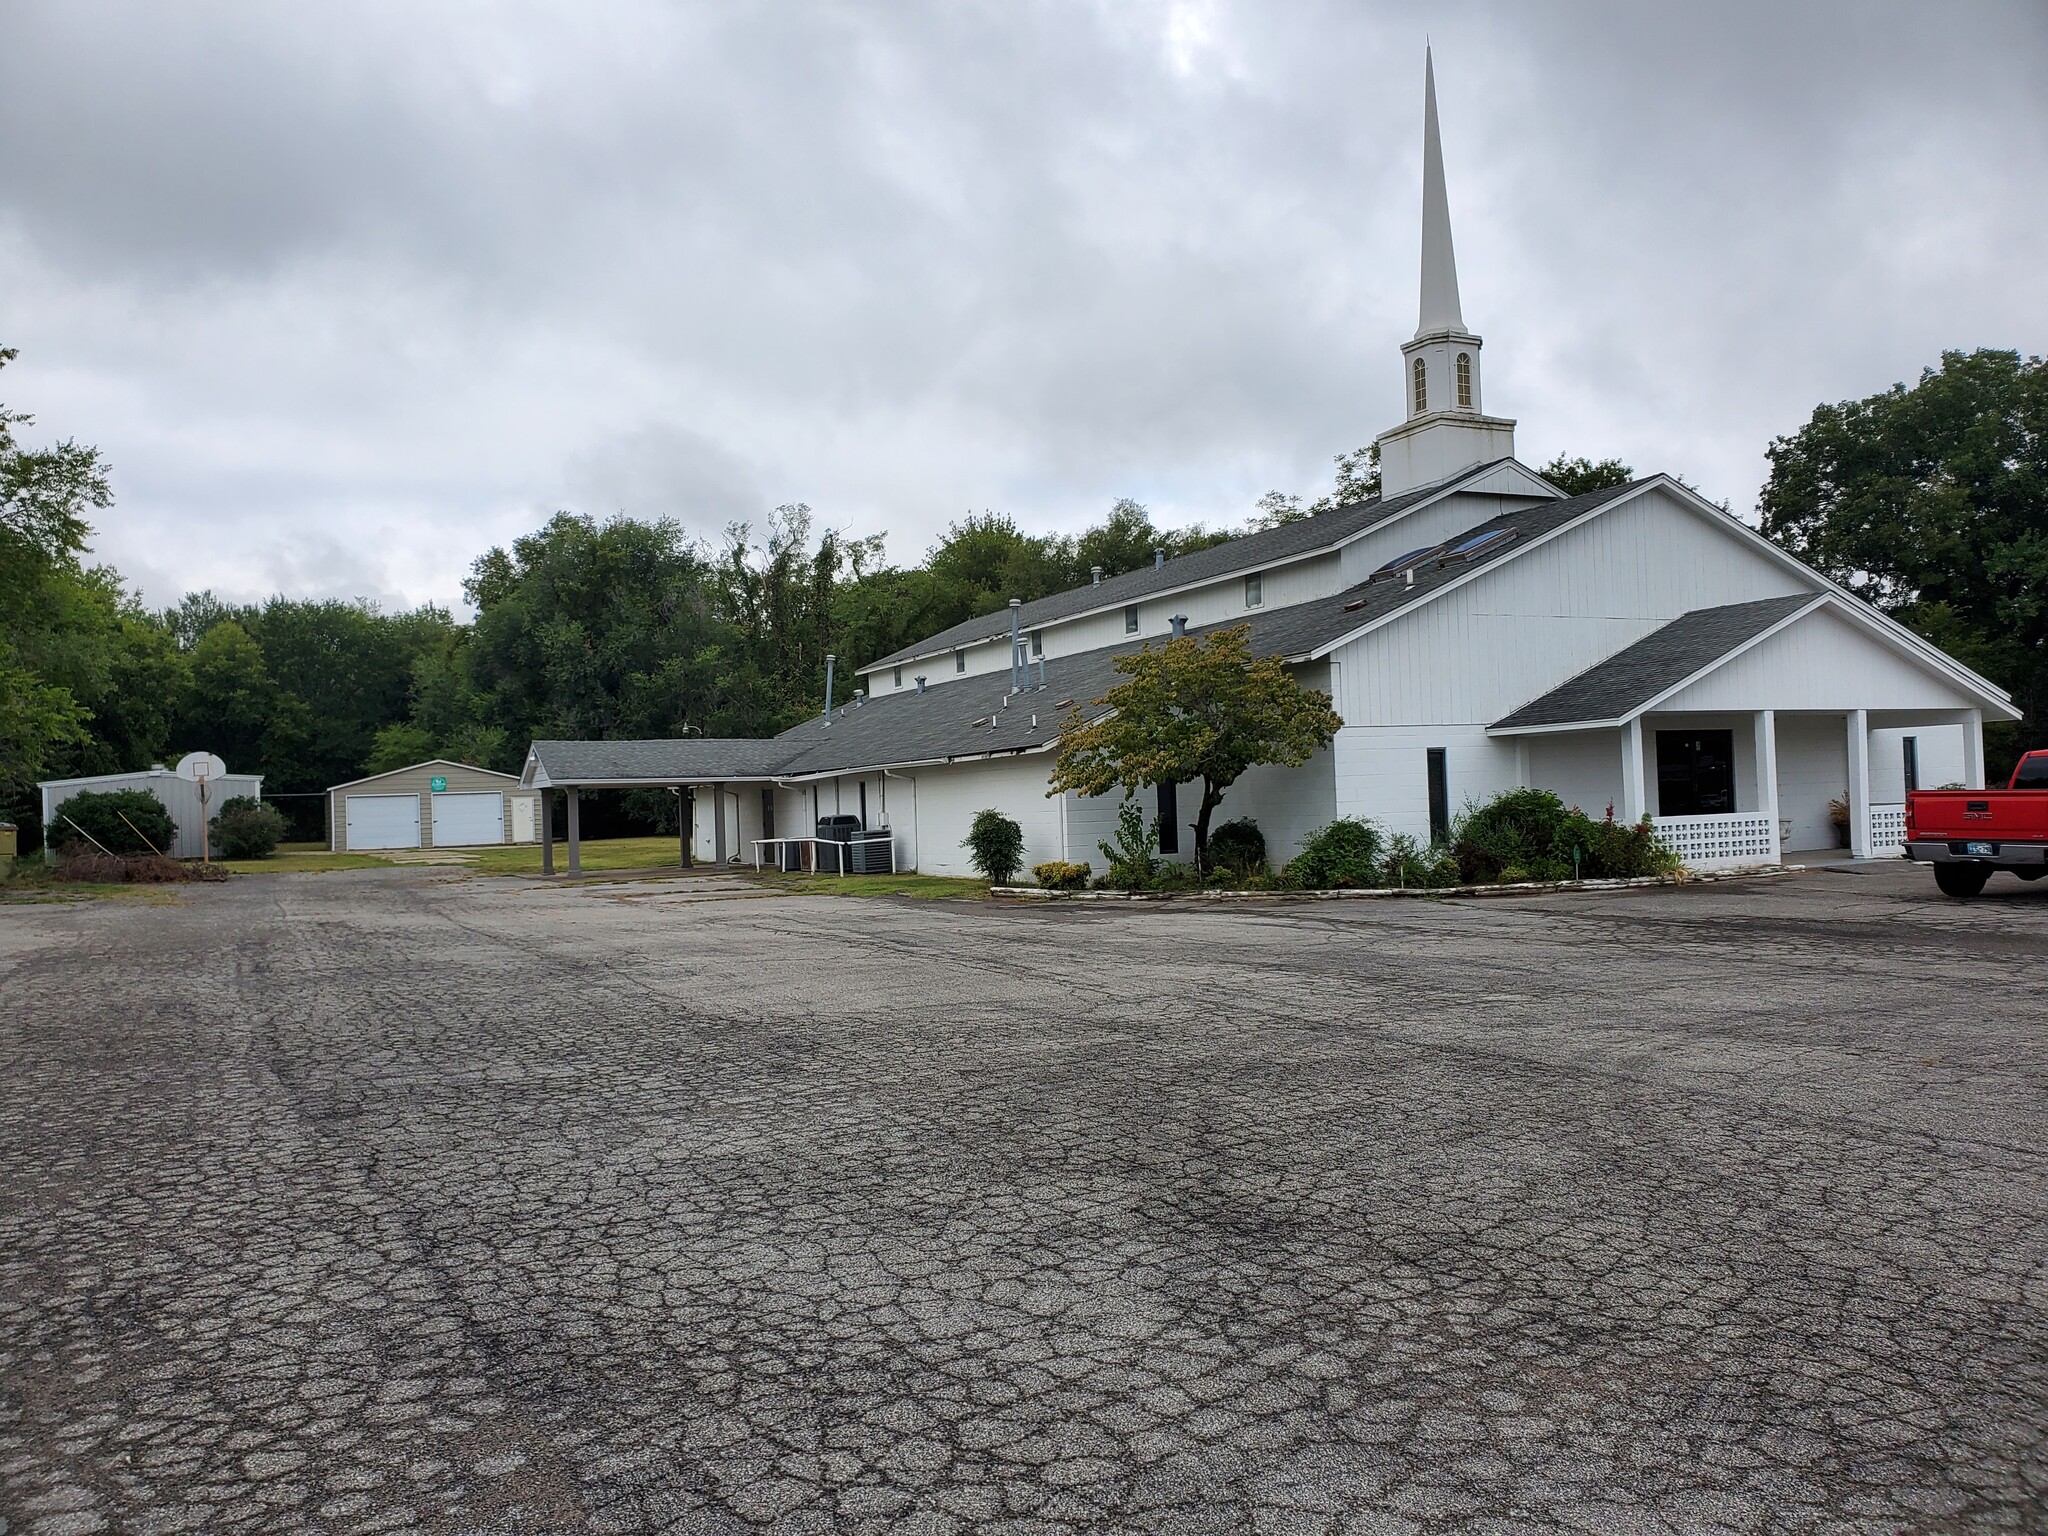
[1961, 880]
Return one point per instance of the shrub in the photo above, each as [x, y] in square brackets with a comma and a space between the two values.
[995, 846]
[1343, 856]
[1134, 862]
[101, 813]
[1530, 834]
[1238, 846]
[1059, 875]
[246, 829]
[1412, 865]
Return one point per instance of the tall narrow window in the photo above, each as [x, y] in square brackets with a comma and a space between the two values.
[1421, 387]
[1038, 642]
[1169, 820]
[1464, 381]
[1912, 746]
[899, 677]
[1439, 797]
[1254, 591]
[1131, 619]
[959, 661]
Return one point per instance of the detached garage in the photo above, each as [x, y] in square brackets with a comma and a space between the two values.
[435, 804]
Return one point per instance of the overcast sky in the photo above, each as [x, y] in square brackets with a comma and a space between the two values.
[348, 293]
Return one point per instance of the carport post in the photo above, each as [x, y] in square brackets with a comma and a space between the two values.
[1859, 783]
[718, 825]
[685, 807]
[547, 831]
[1766, 730]
[1633, 796]
[1973, 749]
[575, 830]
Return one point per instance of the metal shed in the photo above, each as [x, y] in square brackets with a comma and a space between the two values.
[435, 804]
[180, 796]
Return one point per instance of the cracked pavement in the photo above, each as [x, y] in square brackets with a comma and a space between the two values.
[403, 1201]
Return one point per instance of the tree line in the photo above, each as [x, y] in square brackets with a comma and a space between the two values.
[1932, 501]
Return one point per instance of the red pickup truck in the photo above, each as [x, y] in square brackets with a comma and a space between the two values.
[1966, 834]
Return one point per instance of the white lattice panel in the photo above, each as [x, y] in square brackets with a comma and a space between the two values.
[1702, 842]
[1887, 830]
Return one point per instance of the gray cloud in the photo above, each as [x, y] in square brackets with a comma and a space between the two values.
[349, 294]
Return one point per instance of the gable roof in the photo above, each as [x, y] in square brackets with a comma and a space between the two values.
[1610, 691]
[428, 762]
[1249, 552]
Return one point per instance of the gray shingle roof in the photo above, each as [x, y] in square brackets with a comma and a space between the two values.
[1271, 546]
[1633, 676]
[901, 727]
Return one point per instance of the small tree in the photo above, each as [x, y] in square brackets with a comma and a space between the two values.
[1193, 710]
[995, 846]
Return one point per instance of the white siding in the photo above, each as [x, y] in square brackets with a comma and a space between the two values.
[1521, 628]
[1813, 768]
[1382, 772]
[1941, 760]
[947, 797]
[1582, 769]
[1822, 661]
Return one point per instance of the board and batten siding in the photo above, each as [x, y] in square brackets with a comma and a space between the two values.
[1520, 628]
[418, 780]
[1821, 661]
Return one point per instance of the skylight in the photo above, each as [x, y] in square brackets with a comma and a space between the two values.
[1396, 566]
[1478, 544]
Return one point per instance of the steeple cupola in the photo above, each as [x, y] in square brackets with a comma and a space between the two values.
[1446, 431]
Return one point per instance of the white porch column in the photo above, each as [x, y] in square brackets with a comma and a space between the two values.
[1973, 749]
[718, 852]
[1634, 801]
[1766, 729]
[1859, 783]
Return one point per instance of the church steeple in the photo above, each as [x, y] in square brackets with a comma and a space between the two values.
[1446, 432]
[1440, 311]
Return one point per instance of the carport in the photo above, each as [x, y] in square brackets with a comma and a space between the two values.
[713, 769]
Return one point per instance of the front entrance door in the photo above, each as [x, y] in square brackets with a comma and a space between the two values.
[1695, 773]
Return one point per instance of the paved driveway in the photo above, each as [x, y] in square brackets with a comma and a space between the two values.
[408, 1201]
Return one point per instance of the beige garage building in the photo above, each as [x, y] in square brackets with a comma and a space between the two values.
[435, 804]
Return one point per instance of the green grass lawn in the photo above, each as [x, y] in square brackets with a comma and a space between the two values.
[598, 854]
[923, 887]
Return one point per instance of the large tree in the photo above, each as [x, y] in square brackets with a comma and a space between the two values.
[1932, 502]
[1193, 710]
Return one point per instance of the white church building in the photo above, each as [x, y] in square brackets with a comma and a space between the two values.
[1475, 628]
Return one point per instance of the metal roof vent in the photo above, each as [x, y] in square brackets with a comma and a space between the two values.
[1096, 572]
[1180, 623]
[920, 683]
[1158, 558]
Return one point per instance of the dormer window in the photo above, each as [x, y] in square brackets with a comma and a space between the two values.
[1421, 387]
[1254, 591]
[1038, 642]
[1131, 619]
[1464, 381]
[959, 661]
[899, 677]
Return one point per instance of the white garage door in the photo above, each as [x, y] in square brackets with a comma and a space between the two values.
[383, 821]
[462, 821]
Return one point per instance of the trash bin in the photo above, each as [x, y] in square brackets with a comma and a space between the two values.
[792, 856]
[834, 832]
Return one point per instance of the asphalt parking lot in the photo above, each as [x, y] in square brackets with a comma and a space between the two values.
[402, 1201]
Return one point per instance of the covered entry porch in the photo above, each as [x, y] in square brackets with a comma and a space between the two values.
[1788, 724]
[1728, 790]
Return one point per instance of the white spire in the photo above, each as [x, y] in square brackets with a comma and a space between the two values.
[1440, 311]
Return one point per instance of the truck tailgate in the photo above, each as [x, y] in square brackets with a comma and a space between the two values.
[2001, 815]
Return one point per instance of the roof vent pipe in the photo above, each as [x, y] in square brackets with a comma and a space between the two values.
[1041, 671]
[1180, 623]
[920, 682]
[1410, 575]
[1016, 606]
[830, 661]
[1096, 572]
[1158, 558]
